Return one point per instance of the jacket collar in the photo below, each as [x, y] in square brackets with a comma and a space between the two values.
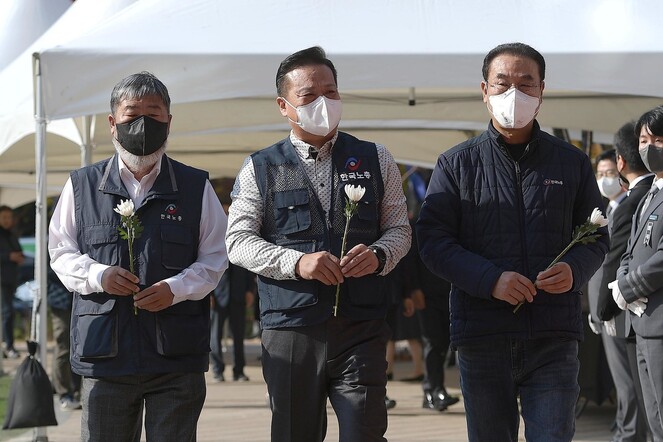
[498, 140]
[165, 185]
[497, 137]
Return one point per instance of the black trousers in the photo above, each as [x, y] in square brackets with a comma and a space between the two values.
[342, 360]
[435, 336]
[235, 312]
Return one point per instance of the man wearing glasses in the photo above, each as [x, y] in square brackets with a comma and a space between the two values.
[499, 208]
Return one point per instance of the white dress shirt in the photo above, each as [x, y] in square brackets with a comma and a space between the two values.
[82, 274]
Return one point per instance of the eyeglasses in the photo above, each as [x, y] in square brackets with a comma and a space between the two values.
[608, 173]
[502, 87]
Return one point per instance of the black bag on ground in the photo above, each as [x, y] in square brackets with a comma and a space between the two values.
[30, 401]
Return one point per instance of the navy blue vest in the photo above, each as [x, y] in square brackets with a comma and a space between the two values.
[293, 218]
[107, 339]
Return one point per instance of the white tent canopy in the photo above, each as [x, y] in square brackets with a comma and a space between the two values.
[205, 50]
[219, 60]
[23, 21]
[17, 122]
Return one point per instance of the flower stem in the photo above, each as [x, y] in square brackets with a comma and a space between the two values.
[130, 240]
[555, 261]
[343, 243]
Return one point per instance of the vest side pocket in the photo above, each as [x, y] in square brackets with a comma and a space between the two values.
[183, 329]
[288, 294]
[95, 334]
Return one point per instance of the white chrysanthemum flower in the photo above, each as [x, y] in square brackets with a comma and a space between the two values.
[354, 193]
[597, 218]
[125, 208]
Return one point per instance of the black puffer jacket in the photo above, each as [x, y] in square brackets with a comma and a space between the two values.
[485, 213]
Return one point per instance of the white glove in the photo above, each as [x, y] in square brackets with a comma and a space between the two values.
[637, 307]
[595, 328]
[610, 328]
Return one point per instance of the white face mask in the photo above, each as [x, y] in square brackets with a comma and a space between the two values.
[513, 109]
[609, 186]
[320, 116]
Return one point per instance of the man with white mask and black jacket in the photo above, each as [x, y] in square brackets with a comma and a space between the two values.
[286, 224]
[499, 209]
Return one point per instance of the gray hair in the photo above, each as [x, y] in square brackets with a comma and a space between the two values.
[137, 86]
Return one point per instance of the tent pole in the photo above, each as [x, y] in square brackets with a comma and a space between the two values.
[86, 147]
[39, 333]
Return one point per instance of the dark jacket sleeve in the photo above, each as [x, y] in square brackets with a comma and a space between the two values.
[585, 259]
[621, 231]
[437, 233]
[242, 281]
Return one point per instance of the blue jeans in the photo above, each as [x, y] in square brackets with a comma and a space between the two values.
[543, 372]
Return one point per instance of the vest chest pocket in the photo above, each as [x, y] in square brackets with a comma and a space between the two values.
[101, 243]
[291, 211]
[95, 334]
[176, 247]
[367, 209]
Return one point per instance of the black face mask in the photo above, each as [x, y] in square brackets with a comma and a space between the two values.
[652, 156]
[142, 136]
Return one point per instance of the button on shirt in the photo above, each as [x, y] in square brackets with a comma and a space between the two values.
[247, 248]
[82, 274]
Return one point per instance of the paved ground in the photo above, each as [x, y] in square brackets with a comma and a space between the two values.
[238, 412]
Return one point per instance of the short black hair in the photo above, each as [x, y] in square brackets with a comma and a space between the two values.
[606, 155]
[653, 120]
[5, 208]
[626, 146]
[519, 49]
[306, 57]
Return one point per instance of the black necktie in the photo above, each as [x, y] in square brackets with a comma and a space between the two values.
[650, 196]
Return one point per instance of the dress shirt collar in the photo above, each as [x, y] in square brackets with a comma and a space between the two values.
[138, 189]
[304, 149]
[659, 183]
[632, 184]
[126, 173]
[614, 203]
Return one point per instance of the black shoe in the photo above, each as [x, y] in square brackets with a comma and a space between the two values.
[240, 377]
[390, 376]
[440, 400]
[389, 403]
[219, 377]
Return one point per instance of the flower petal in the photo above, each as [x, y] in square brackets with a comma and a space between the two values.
[597, 218]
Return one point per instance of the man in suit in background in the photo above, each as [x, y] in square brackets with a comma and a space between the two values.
[231, 297]
[619, 343]
[611, 188]
[639, 284]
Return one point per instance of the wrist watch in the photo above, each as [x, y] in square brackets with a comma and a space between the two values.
[381, 256]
